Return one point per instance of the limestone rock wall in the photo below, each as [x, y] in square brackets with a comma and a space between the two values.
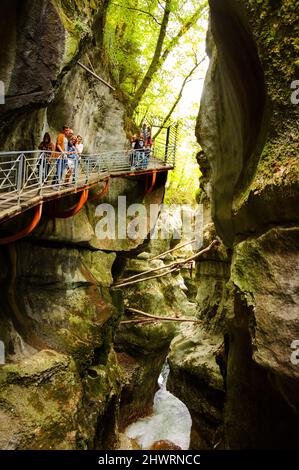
[57, 322]
[248, 300]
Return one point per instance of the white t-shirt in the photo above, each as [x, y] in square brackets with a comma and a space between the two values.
[80, 148]
[65, 144]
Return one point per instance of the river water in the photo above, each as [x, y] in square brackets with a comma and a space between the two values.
[171, 420]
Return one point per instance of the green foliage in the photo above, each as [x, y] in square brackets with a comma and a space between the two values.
[80, 26]
[183, 182]
[131, 32]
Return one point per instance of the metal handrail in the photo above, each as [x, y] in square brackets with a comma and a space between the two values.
[27, 174]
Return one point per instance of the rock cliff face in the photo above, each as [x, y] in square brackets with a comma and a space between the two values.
[235, 373]
[74, 375]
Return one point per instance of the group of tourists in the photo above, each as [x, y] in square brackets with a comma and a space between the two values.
[68, 150]
[141, 145]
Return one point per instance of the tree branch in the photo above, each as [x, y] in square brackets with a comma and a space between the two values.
[155, 63]
[169, 267]
[139, 10]
[179, 96]
[155, 276]
[178, 247]
[155, 317]
[183, 30]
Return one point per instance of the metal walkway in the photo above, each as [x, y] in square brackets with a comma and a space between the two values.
[28, 179]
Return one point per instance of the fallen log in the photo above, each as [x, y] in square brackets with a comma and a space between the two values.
[151, 318]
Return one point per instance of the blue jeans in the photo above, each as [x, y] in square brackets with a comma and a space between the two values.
[60, 167]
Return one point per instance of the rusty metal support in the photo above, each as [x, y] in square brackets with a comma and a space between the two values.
[75, 209]
[25, 231]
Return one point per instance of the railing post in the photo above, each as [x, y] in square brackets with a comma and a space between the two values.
[20, 175]
[60, 169]
[76, 170]
[166, 145]
[41, 169]
[175, 143]
[87, 169]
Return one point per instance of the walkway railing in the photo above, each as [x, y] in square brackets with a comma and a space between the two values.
[24, 175]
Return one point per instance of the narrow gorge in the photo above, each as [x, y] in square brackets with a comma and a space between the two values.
[78, 369]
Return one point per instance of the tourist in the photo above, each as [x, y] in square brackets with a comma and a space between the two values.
[61, 157]
[47, 144]
[79, 145]
[63, 140]
[132, 140]
[44, 162]
[148, 140]
[138, 142]
[139, 155]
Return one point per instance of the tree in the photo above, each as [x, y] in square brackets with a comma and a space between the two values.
[160, 57]
[155, 63]
[139, 37]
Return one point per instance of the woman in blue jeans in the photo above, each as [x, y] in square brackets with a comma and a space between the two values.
[72, 159]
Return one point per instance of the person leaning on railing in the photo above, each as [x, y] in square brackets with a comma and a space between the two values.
[79, 145]
[61, 157]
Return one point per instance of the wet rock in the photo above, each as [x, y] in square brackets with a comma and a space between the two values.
[41, 398]
[262, 327]
[44, 87]
[164, 445]
[196, 379]
[142, 348]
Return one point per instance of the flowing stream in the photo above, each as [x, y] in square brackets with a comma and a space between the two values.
[171, 420]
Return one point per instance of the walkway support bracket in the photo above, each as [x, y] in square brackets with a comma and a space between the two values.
[102, 193]
[149, 188]
[25, 231]
[76, 208]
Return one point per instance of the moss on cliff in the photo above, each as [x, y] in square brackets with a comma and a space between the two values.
[77, 18]
[275, 28]
[276, 25]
